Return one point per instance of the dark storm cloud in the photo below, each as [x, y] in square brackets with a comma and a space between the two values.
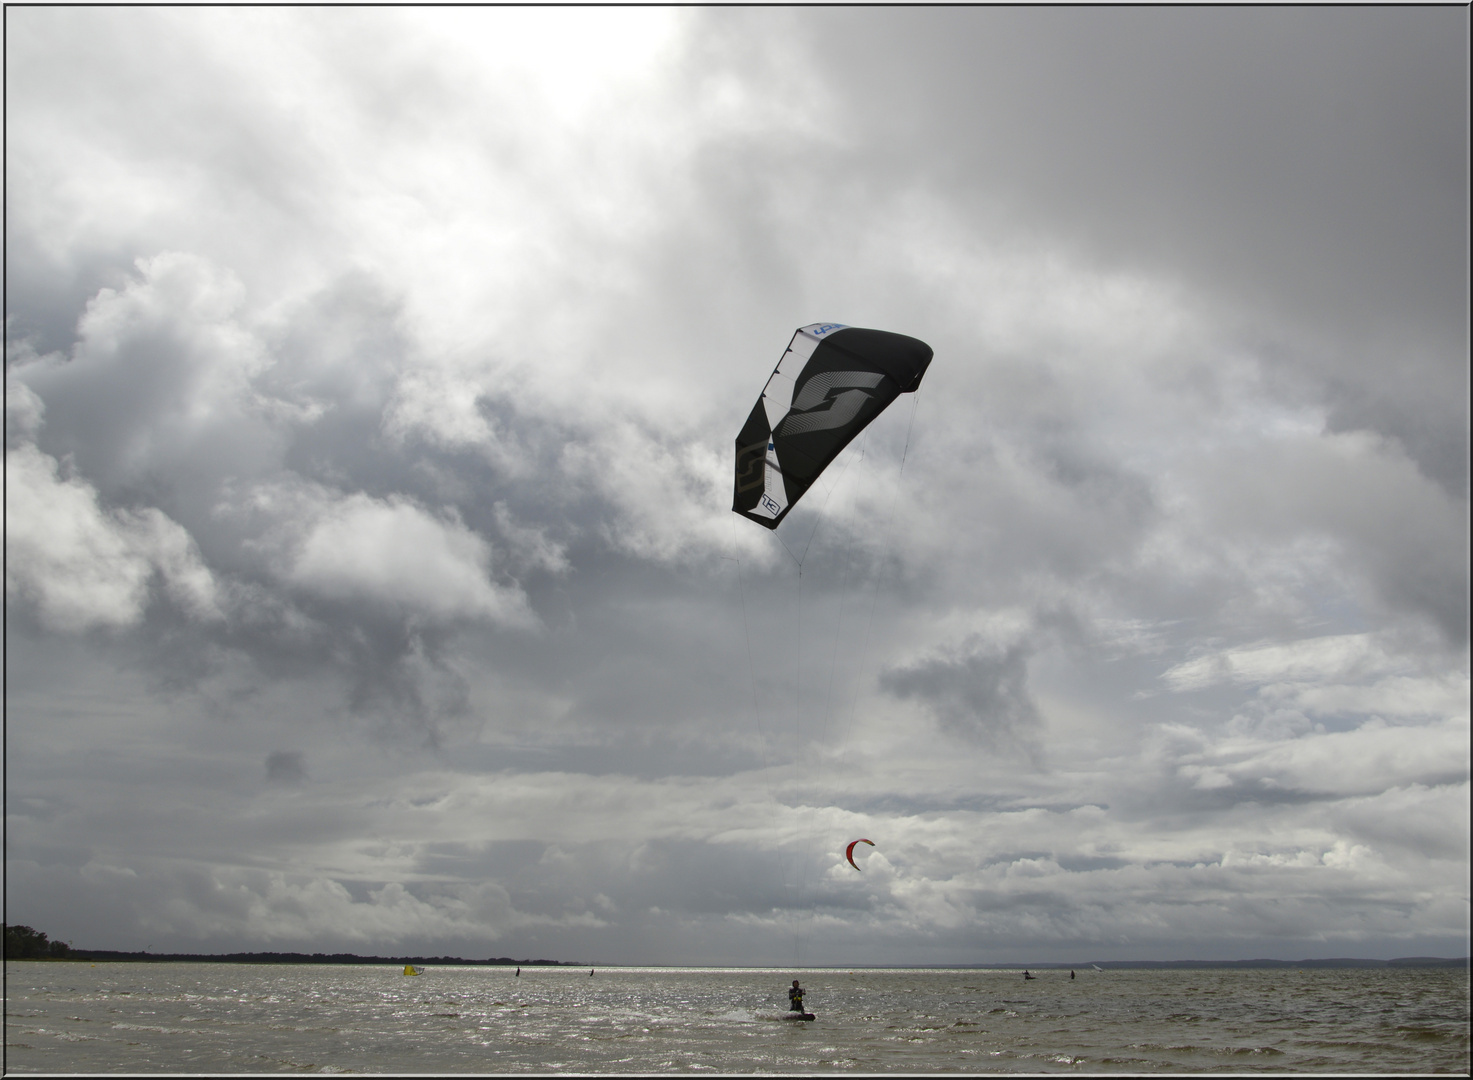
[1304, 161]
[1257, 145]
[286, 767]
[1394, 526]
[978, 691]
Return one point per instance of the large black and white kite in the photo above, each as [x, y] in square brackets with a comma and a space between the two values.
[832, 381]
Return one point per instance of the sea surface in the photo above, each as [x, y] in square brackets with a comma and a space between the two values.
[242, 1018]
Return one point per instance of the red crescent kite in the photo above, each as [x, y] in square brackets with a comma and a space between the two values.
[849, 851]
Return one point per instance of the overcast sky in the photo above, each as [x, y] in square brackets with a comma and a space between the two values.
[372, 380]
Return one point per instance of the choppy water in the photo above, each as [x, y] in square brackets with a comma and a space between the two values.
[234, 1018]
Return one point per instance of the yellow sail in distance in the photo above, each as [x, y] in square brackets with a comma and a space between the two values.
[410, 969]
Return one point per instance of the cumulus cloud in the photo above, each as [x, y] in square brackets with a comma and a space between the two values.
[159, 383]
[24, 411]
[393, 552]
[246, 425]
[82, 566]
[1370, 759]
[1358, 680]
[1335, 657]
[287, 912]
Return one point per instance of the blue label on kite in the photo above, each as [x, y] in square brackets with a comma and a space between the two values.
[826, 327]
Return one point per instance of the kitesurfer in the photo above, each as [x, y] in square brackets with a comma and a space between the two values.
[1071, 973]
[519, 969]
[795, 998]
[1027, 974]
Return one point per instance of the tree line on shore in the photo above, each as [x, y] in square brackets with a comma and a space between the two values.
[25, 943]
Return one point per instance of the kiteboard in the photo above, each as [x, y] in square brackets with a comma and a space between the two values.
[799, 1016]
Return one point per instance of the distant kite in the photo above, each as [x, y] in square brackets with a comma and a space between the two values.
[831, 381]
[849, 851]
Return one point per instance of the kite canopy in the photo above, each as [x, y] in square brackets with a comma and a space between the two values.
[849, 851]
[832, 381]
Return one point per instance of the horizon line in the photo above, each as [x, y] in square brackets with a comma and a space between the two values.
[287, 956]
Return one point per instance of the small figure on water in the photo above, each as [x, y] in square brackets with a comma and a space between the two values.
[590, 973]
[1028, 975]
[795, 998]
[519, 969]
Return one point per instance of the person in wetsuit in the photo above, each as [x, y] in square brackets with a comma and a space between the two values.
[795, 998]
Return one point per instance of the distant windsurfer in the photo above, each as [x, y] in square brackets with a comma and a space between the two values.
[1071, 973]
[795, 998]
[590, 973]
[519, 969]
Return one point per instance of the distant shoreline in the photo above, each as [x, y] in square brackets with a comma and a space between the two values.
[1335, 962]
[111, 956]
